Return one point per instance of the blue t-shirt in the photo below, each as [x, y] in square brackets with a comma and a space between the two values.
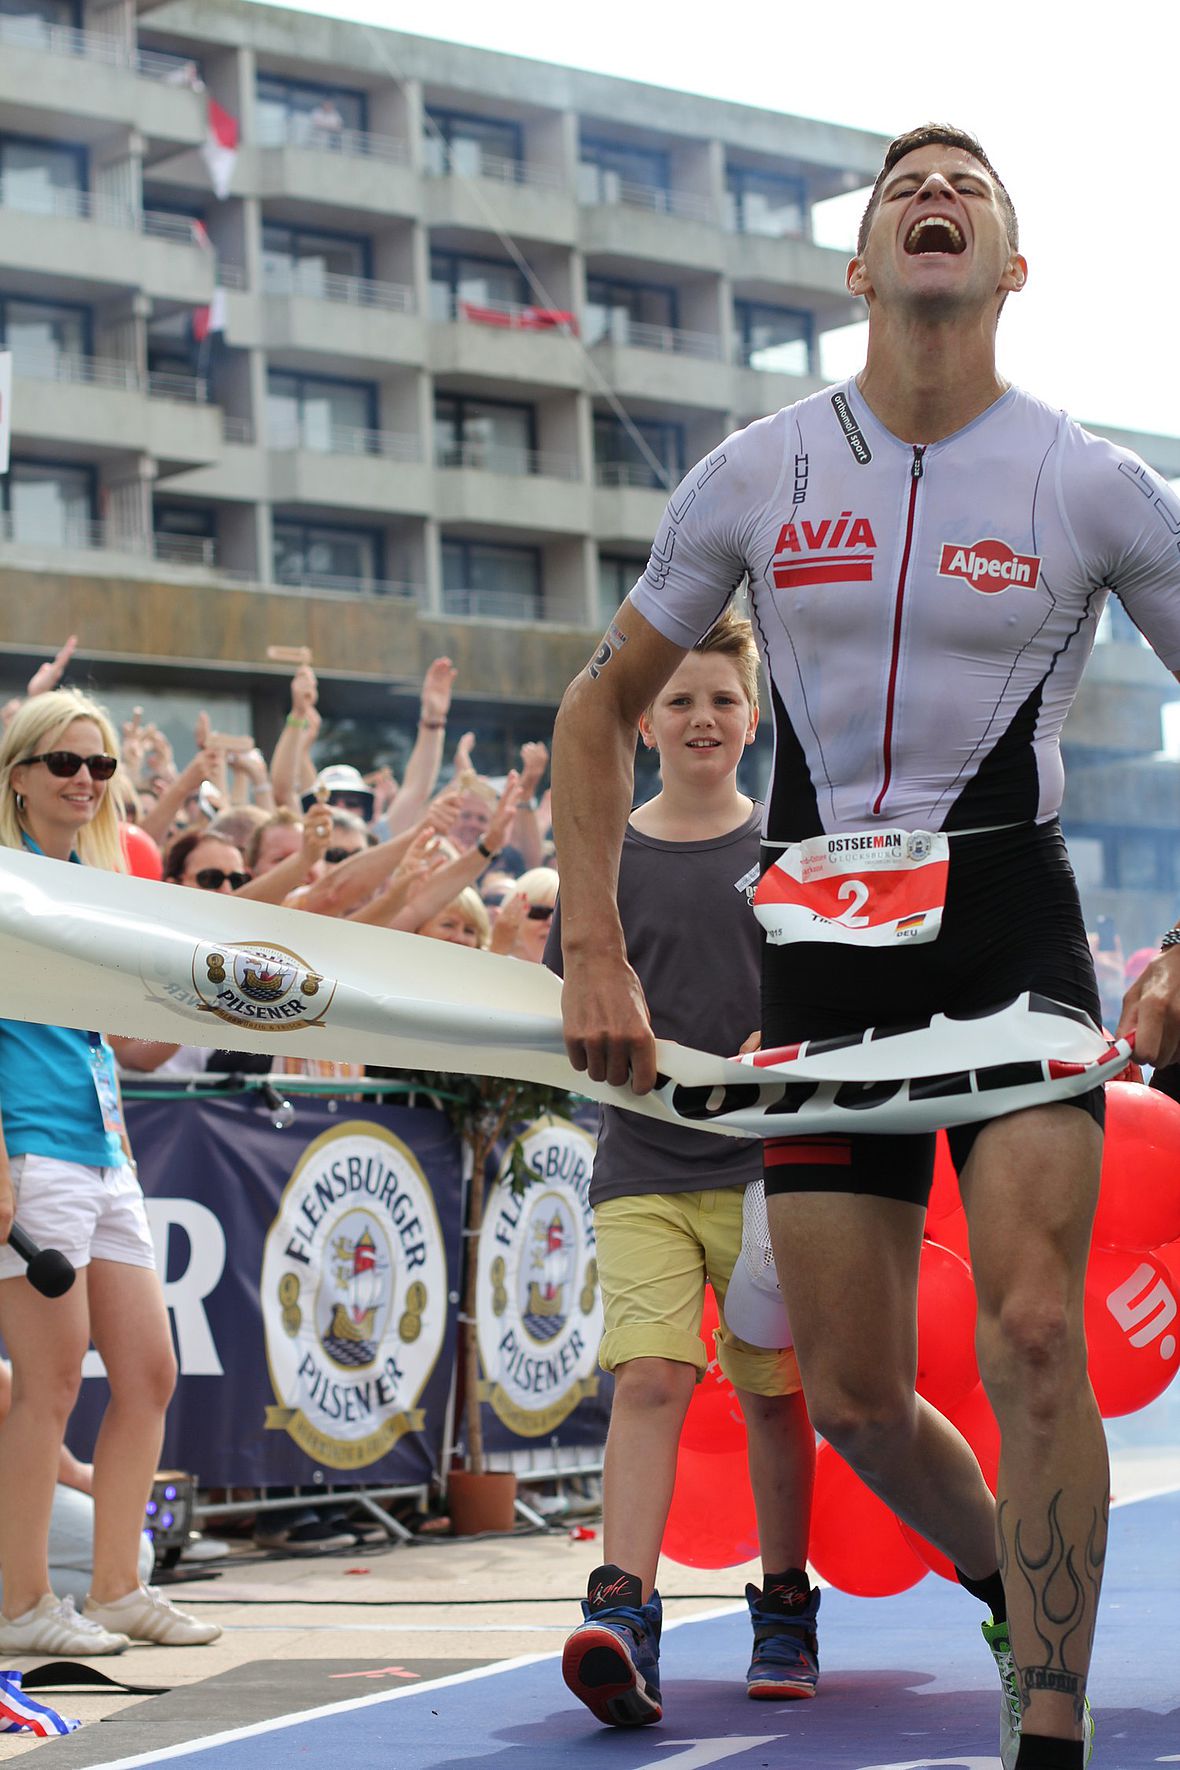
[49, 1103]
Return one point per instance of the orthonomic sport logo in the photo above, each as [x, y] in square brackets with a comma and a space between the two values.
[990, 565]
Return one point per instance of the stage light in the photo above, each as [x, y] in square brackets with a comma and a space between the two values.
[168, 1515]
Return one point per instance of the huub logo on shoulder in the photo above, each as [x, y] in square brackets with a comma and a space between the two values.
[267, 988]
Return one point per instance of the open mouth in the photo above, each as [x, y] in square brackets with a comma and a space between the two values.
[935, 233]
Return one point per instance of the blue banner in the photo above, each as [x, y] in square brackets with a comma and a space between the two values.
[311, 1275]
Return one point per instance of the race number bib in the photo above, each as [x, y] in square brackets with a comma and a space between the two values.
[862, 888]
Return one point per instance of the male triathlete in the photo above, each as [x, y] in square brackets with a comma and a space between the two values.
[928, 551]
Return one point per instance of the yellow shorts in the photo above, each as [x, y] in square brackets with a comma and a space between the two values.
[655, 1251]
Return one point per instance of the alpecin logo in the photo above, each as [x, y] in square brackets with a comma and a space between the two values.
[835, 550]
[989, 566]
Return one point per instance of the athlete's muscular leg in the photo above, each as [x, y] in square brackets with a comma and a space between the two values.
[1030, 1188]
[848, 1264]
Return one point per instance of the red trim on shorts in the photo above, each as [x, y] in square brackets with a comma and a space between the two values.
[822, 1152]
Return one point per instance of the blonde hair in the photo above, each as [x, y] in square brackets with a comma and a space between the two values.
[539, 884]
[37, 727]
[472, 908]
[733, 637]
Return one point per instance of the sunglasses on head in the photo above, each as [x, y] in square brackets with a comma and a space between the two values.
[540, 912]
[212, 879]
[64, 763]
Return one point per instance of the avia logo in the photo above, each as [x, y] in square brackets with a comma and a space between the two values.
[828, 552]
[989, 566]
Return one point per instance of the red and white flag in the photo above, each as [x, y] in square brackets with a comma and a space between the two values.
[211, 319]
[220, 151]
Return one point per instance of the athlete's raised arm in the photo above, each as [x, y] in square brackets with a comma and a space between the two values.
[607, 1030]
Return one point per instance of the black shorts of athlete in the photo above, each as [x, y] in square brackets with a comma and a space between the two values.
[1012, 922]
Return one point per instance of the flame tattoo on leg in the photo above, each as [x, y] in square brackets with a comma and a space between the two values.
[1063, 1587]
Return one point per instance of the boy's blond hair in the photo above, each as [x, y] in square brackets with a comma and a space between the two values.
[733, 637]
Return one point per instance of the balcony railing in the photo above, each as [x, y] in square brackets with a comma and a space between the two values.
[65, 202]
[96, 46]
[108, 372]
[603, 187]
[504, 458]
[671, 340]
[343, 439]
[195, 550]
[300, 131]
[500, 168]
[324, 584]
[312, 284]
[634, 473]
[237, 430]
[493, 605]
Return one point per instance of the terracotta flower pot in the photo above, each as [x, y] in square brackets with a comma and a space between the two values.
[481, 1502]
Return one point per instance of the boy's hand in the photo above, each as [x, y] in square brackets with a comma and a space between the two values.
[753, 1043]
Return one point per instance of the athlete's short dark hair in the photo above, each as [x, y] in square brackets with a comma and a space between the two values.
[936, 135]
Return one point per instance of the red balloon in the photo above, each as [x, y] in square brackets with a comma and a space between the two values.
[1139, 1200]
[1169, 1256]
[975, 1420]
[856, 1541]
[952, 1233]
[714, 1420]
[1132, 1331]
[140, 852]
[944, 1194]
[711, 1521]
[947, 1368]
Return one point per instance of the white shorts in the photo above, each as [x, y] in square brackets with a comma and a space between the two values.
[86, 1213]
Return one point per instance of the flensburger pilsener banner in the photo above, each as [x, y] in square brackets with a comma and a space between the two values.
[125, 955]
[539, 1307]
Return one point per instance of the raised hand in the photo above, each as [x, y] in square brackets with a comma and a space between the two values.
[437, 685]
[48, 676]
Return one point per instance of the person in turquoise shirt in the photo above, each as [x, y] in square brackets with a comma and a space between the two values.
[66, 1172]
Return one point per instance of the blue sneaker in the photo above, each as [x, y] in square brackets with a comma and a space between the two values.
[611, 1662]
[785, 1665]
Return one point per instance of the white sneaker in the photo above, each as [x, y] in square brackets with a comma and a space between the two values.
[54, 1626]
[145, 1615]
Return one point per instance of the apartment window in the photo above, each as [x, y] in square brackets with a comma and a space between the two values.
[185, 533]
[778, 339]
[765, 203]
[300, 259]
[472, 146]
[459, 277]
[306, 112]
[312, 412]
[30, 14]
[48, 503]
[620, 457]
[484, 578]
[607, 169]
[42, 177]
[493, 434]
[43, 334]
[628, 313]
[326, 556]
[618, 574]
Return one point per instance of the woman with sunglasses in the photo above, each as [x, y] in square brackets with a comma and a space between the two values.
[205, 861]
[66, 1173]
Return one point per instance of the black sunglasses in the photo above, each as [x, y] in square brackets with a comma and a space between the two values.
[540, 912]
[212, 879]
[334, 856]
[64, 763]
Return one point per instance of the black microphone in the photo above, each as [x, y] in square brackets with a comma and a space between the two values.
[49, 1271]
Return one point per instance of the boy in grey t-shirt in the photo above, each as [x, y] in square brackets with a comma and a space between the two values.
[668, 1210]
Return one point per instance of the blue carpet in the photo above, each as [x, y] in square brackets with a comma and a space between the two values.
[907, 1685]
